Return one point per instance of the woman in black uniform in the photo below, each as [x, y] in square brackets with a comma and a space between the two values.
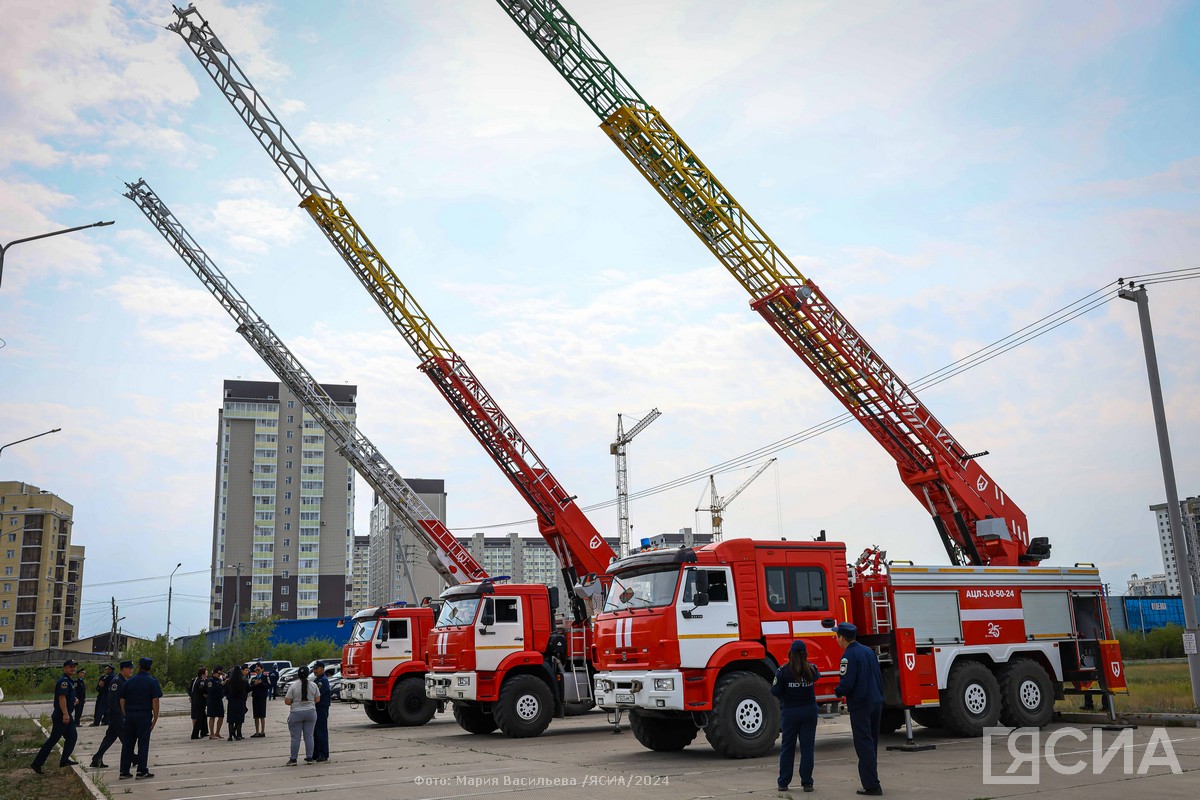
[259, 685]
[795, 686]
[236, 690]
[216, 703]
[196, 690]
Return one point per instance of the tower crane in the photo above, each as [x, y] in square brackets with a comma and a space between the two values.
[976, 521]
[447, 555]
[717, 504]
[579, 547]
[618, 449]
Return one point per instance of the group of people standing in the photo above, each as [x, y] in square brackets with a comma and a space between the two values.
[222, 696]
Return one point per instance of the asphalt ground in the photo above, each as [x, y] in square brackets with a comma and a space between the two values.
[582, 757]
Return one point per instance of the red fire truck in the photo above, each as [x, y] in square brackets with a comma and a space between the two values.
[383, 664]
[689, 639]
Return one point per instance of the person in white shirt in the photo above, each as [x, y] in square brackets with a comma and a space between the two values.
[302, 697]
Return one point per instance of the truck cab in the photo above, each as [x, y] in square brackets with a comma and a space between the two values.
[383, 664]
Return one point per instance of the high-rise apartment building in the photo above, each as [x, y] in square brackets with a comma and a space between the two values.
[283, 521]
[41, 572]
[400, 568]
[1190, 514]
[360, 575]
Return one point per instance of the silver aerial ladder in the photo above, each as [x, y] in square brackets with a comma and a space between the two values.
[447, 555]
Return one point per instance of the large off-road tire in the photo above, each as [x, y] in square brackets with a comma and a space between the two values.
[744, 721]
[927, 717]
[409, 706]
[474, 718]
[1026, 694]
[971, 699]
[891, 720]
[524, 707]
[378, 715]
[664, 734]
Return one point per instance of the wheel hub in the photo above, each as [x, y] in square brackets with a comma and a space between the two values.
[1030, 694]
[975, 699]
[527, 707]
[749, 717]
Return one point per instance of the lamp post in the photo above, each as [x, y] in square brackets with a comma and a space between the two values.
[4, 247]
[27, 438]
[1183, 557]
[167, 654]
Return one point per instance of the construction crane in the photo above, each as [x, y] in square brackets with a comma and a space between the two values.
[579, 547]
[717, 504]
[618, 449]
[977, 522]
[447, 555]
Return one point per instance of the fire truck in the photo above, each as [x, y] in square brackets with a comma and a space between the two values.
[383, 664]
[689, 639]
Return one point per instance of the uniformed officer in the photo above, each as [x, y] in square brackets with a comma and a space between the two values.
[106, 676]
[321, 731]
[795, 686]
[80, 697]
[862, 686]
[116, 720]
[139, 704]
[62, 728]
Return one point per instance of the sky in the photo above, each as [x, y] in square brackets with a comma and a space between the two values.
[947, 173]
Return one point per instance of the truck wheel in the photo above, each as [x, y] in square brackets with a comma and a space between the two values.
[744, 722]
[927, 717]
[1026, 695]
[376, 714]
[891, 720]
[971, 700]
[409, 706]
[664, 734]
[524, 708]
[474, 718]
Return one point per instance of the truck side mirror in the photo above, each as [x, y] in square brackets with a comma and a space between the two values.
[383, 630]
[553, 597]
[700, 599]
[488, 618]
[701, 582]
[829, 622]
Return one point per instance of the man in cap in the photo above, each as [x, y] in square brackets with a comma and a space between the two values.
[61, 728]
[321, 731]
[116, 720]
[101, 712]
[139, 704]
[80, 697]
[862, 686]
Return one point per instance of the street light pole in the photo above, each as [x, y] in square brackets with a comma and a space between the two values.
[27, 438]
[167, 655]
[1183, 557]
[4, 247]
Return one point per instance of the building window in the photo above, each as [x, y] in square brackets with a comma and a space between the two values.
[287, 542]
[285, 573]
[286, 558]
[289, 448]
[287, 526]
[289, 465]
[10, 553]
[291, 404]
[12, 537]
[289, 435]
[288, 480]
[284, 590]
[283, 606]
[291, 420]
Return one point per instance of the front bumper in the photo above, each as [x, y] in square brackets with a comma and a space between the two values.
[357, 690]
[451, 686]
[658, 689]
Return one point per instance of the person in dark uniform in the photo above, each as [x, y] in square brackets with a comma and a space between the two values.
[258, 697]
[197, 690]
[324, 698]
[101, 710]
[80, 696]
[273, 686]
[216, 703]
[236, 690]
[62, 727]
[139, 704]
[795, 686]
[862, 686]
[116, 721]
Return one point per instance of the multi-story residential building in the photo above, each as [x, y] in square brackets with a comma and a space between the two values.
[283, 517]
[1190, 514]
[1150, 586]
[400, 568]
[360, 575]
[41, 572]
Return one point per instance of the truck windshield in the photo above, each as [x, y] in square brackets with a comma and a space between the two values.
[647, 587]
[460, 611]
[364, 629]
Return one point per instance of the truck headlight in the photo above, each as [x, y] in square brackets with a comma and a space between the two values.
[606, 686]
[664, 684]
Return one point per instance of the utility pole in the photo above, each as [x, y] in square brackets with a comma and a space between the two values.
[167, 654]
[112, 640]
[1183, 556]
[237, 600]
[617, 448]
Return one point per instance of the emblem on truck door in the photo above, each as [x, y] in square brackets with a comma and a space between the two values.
[910, 661]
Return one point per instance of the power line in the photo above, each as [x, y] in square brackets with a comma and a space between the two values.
[151, 578]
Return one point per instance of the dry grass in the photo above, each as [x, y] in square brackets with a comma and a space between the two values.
[1153, 686]
[22, 738]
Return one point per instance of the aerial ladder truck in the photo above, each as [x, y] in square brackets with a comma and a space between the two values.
[497, 652]
[383, 663]
[994, 637]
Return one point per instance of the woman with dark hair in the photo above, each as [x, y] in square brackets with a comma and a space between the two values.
[197, 690]
[216, 703]
[236, 690]
[301, 695]
[795, 686]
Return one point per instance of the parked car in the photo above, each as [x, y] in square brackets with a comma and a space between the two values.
[287, 677]
[280, 666]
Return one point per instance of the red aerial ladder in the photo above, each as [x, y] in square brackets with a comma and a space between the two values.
[388, 678]
[977, 522]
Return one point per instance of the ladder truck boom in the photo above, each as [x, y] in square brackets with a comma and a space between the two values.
[578, 546]
[977, 522]
[453, 561]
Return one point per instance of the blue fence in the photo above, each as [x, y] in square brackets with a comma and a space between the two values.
[287, 631]
[1148, 613]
